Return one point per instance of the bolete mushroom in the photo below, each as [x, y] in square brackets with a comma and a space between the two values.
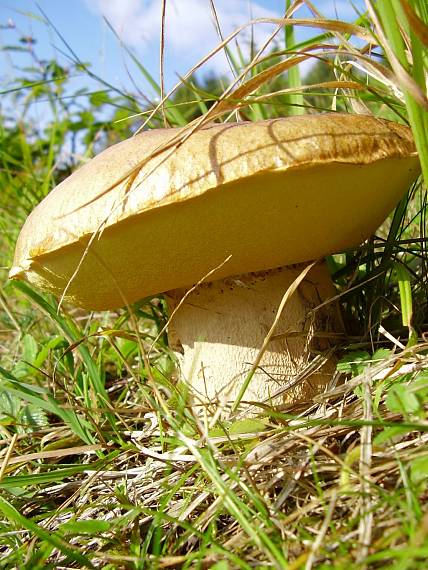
[263, 196]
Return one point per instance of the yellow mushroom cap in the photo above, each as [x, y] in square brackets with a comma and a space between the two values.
[268, 194]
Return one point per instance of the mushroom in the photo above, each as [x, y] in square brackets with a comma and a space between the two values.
[239, 205]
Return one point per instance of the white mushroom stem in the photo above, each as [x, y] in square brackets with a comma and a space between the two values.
[220, 328]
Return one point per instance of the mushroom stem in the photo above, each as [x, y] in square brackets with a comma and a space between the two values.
[220, 328]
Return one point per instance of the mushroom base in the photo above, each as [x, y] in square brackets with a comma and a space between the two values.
[220, 327]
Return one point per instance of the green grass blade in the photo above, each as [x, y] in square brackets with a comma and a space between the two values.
[46, 536]
[73, 335]
[294, 100]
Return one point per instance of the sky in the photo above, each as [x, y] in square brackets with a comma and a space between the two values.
[190, 32]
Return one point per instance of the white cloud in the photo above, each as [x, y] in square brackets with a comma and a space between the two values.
[190, 31]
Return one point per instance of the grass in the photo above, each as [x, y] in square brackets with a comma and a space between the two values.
[105, 462]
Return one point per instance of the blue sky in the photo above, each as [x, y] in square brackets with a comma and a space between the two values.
[190, 31]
